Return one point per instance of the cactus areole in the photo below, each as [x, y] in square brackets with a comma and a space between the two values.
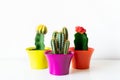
[39, 38]
[59, 42]
[81, 39]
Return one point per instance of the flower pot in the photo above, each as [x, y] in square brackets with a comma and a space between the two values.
[81, 58]
[59, 63]
[37, 58]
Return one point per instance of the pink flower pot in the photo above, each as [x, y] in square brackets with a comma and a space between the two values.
[59, 63]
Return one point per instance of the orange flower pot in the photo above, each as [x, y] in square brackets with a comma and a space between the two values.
[81, 58]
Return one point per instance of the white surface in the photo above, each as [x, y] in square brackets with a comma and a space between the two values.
[19, 18]
[20, 70]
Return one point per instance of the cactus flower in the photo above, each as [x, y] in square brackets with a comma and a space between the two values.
[80, 29]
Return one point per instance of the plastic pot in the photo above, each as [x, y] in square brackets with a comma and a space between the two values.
[59, 63]
[81, 58]
[37, 58]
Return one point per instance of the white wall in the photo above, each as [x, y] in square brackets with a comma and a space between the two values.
[19, 18]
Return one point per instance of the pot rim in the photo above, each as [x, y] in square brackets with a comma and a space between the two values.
[33, 49]
[89, 49]
[48, 52]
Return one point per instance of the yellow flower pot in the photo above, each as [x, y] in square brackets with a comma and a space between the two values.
[37, 58]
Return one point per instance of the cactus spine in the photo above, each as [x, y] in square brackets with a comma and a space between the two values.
[81, 40]
[39, 38]
[60, 42]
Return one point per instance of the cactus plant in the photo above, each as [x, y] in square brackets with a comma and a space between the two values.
[59, 42]
[39, 38]
[81, 39]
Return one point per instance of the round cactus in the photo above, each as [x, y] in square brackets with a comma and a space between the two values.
[81, 39]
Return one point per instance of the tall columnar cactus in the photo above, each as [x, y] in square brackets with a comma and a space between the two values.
[81, 39]
[39, 39]
[60, 43]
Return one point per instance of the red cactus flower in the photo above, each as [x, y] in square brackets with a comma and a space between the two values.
[80, 29]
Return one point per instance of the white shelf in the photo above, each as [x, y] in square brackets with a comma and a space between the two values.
[99, 70]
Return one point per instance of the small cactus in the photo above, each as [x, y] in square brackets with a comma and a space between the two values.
[60, 42]
[39, 39]
[81, 39]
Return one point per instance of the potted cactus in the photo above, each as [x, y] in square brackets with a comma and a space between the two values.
[59, 57]
[36, 54]
[82, 53]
